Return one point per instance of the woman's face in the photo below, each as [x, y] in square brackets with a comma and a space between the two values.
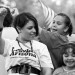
[69, 58]
[28, 32]
[58, 24]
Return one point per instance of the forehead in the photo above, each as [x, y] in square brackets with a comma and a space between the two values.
[30, 23]
[59, 18]
[69, 50]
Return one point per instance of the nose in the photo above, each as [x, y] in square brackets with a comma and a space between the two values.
[54, 24]
[70, 57]
[34, 30]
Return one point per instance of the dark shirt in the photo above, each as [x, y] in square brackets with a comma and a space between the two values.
[54, 42]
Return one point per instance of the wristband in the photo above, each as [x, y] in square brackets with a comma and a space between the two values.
[1, 29]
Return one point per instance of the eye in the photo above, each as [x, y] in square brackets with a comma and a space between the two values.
[66, 55]
[59, 23]
[53, 22]
[73, 55]
[31, 27]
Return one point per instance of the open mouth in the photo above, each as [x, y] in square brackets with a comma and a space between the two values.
[54, 29]
[32, 35]
[70, 62]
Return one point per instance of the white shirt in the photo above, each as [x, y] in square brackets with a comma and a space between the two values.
[39, 57]
[9, 33]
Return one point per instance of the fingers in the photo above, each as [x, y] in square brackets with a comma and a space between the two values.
[3, 11]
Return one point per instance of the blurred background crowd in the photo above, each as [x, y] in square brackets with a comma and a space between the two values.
[33, 6]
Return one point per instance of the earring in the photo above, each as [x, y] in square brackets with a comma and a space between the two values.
[19, 31]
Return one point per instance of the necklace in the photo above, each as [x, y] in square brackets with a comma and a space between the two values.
[24, 44]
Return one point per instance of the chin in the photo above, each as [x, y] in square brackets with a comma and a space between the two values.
[31, 38]
[71, 65]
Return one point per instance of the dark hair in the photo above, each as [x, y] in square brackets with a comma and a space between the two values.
[67, 23]
[22, 19]
[67, 46]
[8, 19]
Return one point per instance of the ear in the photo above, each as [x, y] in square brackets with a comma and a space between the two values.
[18, 29]
[66, 29]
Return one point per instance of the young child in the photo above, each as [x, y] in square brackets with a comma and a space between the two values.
[61, 27]
[69, 60]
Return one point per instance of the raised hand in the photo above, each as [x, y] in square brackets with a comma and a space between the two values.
[3, 12]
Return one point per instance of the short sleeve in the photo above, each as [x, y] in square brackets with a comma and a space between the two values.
[9, 33]
[45, 59]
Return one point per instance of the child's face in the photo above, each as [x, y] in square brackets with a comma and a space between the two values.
[58, 25]
[69, 58]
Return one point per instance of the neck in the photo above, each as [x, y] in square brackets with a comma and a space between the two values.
[22, 40]
[69, 69]
[64, 34]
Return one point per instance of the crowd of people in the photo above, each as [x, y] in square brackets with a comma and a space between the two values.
[32, 50]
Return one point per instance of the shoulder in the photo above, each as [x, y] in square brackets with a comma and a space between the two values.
[9, 42]
[39, 46]
[9, 32]
[37, 43]
[8, 28]
[58, 70]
